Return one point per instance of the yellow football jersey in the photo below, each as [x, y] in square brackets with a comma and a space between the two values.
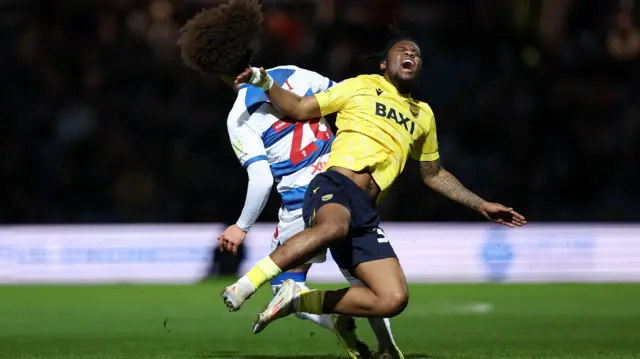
[378, 128]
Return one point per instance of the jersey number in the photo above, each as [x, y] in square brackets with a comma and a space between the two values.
[382, 237]
[298, 153]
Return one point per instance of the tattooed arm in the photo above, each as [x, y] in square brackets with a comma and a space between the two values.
[443, 182]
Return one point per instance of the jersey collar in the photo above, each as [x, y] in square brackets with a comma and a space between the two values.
[388, 86]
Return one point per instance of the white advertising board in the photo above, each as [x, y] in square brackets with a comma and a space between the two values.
[105, 254]
[427, 252]
[477, 253]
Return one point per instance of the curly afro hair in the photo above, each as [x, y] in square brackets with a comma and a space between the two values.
[216, 41]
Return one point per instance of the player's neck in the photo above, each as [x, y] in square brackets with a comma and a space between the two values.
[403, 89]
[229, 80]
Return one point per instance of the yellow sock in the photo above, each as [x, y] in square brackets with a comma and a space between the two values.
[311, 301]
[264, 271]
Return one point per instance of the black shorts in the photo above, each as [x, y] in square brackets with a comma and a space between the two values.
[365, 241]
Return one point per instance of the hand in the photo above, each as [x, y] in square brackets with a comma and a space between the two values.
[500, 214]
[231, 238]
[255, 76]
[245, 76]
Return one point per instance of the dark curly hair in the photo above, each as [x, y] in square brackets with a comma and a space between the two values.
[217, 41]
[369, 63]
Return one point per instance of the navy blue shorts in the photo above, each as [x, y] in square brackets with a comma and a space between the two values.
[365, 241]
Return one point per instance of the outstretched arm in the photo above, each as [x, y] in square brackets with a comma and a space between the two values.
[443, 182]
[292, 105]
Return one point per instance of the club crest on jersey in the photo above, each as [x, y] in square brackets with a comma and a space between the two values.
[415, 110]
[392, 114]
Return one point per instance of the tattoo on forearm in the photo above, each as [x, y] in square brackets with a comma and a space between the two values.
[443, 182]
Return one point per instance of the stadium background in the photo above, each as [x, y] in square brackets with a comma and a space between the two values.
[115, 166]
[102, 122]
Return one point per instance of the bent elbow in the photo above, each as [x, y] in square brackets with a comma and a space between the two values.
[306, 109]
[299, 113]
[263, 183]
[260, 176]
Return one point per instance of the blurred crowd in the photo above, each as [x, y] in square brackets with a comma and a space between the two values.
[537, 104]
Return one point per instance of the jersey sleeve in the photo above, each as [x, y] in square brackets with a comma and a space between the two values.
[258, 189]
[426, 148]
[247, 144]
[337, 97]
[316, 81]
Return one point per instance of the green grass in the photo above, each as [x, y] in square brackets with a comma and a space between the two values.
[515, 321]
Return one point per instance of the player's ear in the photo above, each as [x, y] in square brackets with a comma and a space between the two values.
[383, 65]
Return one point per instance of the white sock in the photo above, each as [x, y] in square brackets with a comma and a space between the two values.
[323, 320]
[244, 287]
[382, 329]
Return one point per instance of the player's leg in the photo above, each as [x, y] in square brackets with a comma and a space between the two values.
[368, 255]
[381, 328]
[387, 347]
[342, 326]
[297, 250]
[328, 204]
[384, 293]
[365, 252]
[299, 276]
[288, 226]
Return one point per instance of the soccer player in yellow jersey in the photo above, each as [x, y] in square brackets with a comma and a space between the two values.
[380, 126]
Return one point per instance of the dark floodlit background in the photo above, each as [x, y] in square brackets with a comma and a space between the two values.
[538, 107]
[537, 104]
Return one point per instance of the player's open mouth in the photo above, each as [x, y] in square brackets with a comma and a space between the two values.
[408, 63]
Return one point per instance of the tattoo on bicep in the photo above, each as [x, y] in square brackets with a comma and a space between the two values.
[442, 181]
[429, 168]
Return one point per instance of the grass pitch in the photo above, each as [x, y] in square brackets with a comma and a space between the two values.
[442, 321]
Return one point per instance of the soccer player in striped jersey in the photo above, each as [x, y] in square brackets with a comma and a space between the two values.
[380, 127]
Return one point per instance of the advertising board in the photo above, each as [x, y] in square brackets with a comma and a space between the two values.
[427, 252]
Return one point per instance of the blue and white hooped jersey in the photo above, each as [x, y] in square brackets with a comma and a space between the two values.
[295, 150]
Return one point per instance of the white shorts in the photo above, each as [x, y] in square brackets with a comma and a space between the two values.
[286, 229]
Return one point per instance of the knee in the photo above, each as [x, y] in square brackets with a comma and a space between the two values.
[392, 303]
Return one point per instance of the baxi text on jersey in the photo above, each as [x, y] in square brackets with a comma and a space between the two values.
[397, 116]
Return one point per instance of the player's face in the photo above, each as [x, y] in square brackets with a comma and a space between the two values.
[403, 62]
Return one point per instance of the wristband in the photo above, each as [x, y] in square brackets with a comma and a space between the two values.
[257, 79]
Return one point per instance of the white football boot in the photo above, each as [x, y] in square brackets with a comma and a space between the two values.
[280, 306]
[235, 295]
